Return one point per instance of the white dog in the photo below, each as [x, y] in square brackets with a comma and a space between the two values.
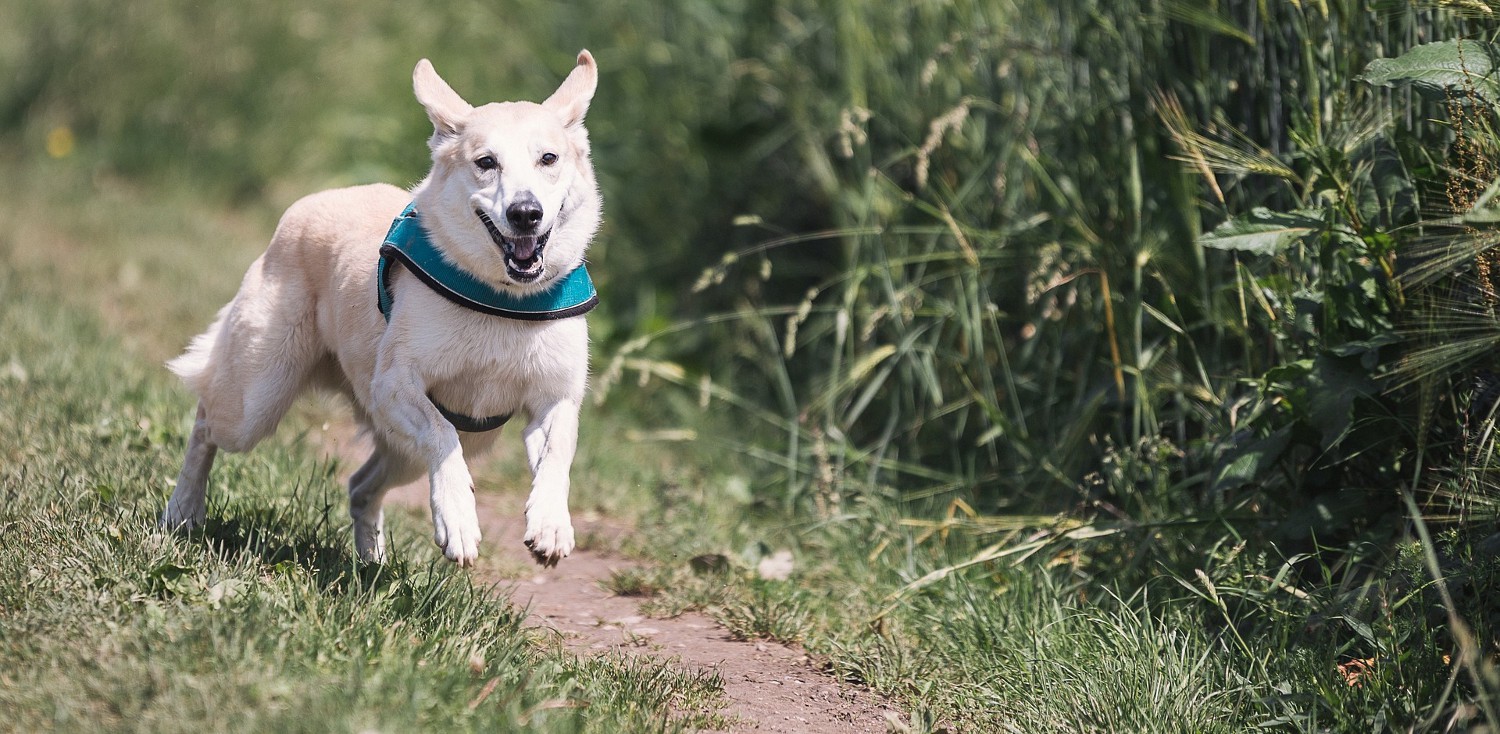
[438, 326]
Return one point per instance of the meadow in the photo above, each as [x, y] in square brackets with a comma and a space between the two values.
[1105, 366]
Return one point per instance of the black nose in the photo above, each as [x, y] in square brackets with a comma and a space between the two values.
[525, 213]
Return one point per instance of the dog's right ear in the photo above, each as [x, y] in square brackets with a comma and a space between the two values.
[445, 108]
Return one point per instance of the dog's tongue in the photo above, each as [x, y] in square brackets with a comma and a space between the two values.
[523, 248]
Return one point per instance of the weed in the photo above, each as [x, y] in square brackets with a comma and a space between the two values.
[633, 582]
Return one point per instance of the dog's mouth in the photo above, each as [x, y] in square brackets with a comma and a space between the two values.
[523, 254]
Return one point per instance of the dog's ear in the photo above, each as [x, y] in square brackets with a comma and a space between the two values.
[445, 108]
[571, 100]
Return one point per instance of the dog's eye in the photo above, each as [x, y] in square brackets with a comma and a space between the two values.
[487, 163]
[549, 158]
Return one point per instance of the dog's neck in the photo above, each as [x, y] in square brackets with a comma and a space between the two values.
[408, 243]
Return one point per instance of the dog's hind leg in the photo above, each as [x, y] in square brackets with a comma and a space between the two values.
[383, 470]
[188, 506]
[247, 368]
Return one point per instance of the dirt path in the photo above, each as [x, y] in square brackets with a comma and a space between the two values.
[769, 687]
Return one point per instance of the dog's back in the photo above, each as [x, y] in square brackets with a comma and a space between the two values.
[263, 346]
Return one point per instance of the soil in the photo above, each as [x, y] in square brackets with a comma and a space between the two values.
[768, 686]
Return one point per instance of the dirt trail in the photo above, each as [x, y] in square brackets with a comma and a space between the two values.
[769, 687]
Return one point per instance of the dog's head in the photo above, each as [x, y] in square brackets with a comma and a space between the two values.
[511, 196]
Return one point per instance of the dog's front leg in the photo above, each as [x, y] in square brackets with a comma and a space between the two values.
[551, 441]
[412, 423]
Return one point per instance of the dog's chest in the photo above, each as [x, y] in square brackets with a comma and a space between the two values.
[487, 365]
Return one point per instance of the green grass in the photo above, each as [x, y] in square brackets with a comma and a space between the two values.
[1044, 644]
[263, 621]
[1044, 459]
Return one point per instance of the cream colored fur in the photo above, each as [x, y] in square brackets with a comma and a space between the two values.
[305, 316]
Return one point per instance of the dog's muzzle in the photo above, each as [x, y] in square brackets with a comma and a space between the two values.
[523, 253]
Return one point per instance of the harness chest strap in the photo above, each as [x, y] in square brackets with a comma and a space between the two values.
[407, 243]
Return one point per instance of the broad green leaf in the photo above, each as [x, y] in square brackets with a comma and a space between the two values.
[1441, 66]
[1263, 232]
[1249, 463]
[1333, 386]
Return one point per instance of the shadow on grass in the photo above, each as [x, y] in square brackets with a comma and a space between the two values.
[307, 536]
[284, 535]
[261, 537]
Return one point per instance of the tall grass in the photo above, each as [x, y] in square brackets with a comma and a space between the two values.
[1020, 303]
[1001, 268]
[1007, 287]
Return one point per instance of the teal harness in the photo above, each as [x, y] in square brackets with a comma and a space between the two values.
[408, 244]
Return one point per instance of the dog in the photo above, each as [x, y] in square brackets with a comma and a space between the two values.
[509, 207]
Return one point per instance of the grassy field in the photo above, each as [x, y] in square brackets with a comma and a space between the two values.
[264, 621]
[1103, 366]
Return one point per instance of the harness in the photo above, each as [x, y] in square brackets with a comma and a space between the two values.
[407, 243]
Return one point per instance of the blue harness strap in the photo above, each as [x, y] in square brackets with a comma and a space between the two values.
[408, 244]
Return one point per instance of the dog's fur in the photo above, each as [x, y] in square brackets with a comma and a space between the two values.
[305, 316]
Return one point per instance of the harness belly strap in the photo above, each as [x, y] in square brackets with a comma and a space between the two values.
[407, 243]
[470, 425]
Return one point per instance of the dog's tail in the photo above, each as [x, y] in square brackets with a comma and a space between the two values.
[193, 364]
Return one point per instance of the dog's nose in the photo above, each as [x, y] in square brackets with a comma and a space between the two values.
[525, 213]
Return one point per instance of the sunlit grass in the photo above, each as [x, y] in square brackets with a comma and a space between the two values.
[264, 620]
[920, 290]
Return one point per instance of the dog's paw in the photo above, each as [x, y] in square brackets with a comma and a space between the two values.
[369, 540]
[183, 516]
[549, 535]
[455, 526]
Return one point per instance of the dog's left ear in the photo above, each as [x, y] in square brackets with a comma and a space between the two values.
[571, 100]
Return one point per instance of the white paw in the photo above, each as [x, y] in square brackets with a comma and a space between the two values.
[369, 538]
[183, 515]
[455, 525]
[549, 534]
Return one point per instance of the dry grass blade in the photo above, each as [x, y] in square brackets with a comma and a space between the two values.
[1238, 154]
[1018, 553]
[1450, 246]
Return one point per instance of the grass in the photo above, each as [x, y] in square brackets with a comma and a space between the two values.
[968, 343]
[1015, 355]
[263, 621]
[1041, 644]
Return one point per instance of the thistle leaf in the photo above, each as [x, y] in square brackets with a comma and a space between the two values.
[1461, 65]
[1264, 232]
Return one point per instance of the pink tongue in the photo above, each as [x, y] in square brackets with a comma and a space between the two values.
[524, 249]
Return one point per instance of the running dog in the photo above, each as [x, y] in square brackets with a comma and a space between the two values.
[440, 312]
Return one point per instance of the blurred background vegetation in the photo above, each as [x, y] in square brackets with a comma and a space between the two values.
[1175, 288]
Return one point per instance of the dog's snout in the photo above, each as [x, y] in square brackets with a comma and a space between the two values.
[525, 213]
